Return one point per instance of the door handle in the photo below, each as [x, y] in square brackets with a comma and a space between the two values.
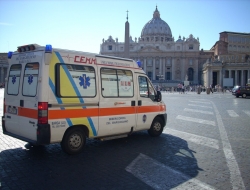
[21, 103]
[133, 103]
[116, 103]
[139, 102]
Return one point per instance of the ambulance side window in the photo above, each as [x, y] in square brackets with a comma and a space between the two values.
[125, 83]
[109, 83]
[75, 81]
[14, 79]
[145, 88]
[117, 83]
[30, 79]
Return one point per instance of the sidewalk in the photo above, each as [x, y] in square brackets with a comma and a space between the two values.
[192, 93]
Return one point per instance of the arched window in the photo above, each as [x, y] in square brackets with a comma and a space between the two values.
[190, 74]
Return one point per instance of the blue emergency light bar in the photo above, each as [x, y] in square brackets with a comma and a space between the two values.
[138, 63]
[48, 48]
[10, 54]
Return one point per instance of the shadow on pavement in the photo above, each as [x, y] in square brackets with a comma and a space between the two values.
[100, 166]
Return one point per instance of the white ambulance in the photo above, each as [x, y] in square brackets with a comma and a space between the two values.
[56, 95]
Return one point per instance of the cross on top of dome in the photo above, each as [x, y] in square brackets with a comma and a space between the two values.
[156, 13]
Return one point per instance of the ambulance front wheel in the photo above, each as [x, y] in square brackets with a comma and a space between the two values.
[73, 141]
[156, 127]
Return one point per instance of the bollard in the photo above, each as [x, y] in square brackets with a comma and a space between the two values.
[198, 90]
[208, 90]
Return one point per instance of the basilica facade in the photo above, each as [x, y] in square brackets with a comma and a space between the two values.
[164, 59]
[168, 61]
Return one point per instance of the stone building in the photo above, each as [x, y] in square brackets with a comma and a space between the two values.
[3, 67]
[165, 60]
[230, 60]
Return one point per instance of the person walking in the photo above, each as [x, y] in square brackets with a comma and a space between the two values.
[179, 88]
[183, 89]
[211, 88]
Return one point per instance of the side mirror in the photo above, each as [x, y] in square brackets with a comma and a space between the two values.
[158, 96]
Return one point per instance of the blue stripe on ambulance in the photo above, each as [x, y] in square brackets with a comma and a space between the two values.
[76, 89]
[58, 100]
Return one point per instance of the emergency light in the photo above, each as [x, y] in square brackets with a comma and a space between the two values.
[48, 48]
[10, 54]
[139, 63]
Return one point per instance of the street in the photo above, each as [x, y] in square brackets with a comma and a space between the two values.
[205, 145]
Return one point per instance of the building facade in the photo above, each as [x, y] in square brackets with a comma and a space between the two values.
[231, 60]
[164, 59]
[3, 67]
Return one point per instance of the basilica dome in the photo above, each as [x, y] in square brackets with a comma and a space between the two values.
[156, 27]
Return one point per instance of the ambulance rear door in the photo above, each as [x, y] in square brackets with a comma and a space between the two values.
[12, 99]
[21, 94]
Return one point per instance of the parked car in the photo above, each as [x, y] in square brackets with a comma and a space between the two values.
[234, 89]
[242, 91]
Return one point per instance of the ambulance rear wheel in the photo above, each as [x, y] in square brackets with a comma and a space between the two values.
[74, 141]
[156, 127]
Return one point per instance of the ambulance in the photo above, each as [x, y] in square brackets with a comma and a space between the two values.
[63, 96]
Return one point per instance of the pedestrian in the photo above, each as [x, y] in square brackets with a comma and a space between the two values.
[211, 88]
[179, 88]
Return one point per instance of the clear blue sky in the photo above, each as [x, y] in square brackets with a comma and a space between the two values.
[82, 24]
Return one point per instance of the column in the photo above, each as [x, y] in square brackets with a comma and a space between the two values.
[2, 75]
[230, 73]
[145, 65]
[242, 79]
[160, 67]
[183, 73]
[221, 77]
[196, 71]
[208, 76]
[164, 67]
[236, 78]
[173, 68]
[153, 60]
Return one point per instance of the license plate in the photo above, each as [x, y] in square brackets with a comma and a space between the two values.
[12, 110]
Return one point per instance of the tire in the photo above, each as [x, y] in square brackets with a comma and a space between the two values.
[244, 95]
[237, 96]
[156, 127]
[74, 141]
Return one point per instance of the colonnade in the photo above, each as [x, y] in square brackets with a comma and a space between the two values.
[239, 76]
[176, 66]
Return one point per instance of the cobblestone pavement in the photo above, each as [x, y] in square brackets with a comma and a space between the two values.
[190, 154]
[101, 165]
